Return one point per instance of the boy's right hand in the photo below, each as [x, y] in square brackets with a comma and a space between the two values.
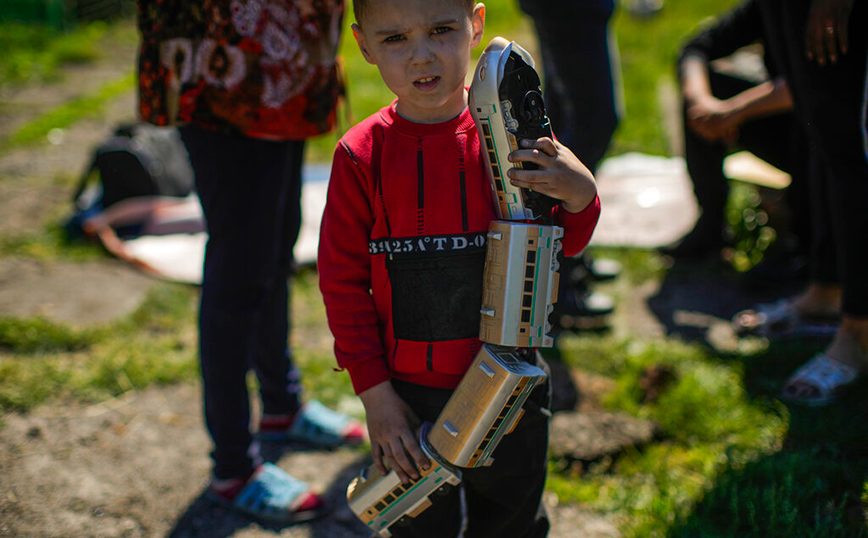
[392, 427]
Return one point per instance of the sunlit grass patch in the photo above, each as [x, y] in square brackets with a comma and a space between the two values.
[39, 335]
[52, 242]
[46, 360]
[33, 53]
[708, 425]
[68, 113]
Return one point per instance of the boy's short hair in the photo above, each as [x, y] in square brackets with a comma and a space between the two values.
[359, 7]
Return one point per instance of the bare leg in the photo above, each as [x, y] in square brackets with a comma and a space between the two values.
[819, 300]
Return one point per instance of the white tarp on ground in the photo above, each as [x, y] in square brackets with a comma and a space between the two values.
[171, 244]
[647, 202]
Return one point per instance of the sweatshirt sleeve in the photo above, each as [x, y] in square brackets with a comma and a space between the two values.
[578, 227]
[344, 267]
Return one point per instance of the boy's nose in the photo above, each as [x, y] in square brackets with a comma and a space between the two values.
[423, 52]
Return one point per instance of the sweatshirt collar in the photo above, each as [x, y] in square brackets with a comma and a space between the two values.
[461, 123]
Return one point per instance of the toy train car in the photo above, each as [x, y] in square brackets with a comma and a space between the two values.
[520, 284]
[507, 106]
[485, 406]
[383, 501]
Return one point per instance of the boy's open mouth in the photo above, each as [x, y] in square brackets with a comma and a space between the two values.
[426, 83]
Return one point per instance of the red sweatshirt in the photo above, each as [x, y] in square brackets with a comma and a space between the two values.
[402, 246]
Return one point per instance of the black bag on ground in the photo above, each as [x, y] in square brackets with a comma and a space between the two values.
[139, 159]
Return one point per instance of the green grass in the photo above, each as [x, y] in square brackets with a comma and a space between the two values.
[33, 53]
[53, 242]
[42, 360]
[69, 113]
[730, 460]
[707, 421]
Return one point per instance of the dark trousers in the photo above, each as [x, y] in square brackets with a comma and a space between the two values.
[831, 104]
[579, 81]
[250, 192]
[778, 140]
[581, 96]
[504, 499]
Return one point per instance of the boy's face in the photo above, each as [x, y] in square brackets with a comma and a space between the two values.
[422, 49]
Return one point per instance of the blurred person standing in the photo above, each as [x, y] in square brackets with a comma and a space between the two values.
[582, 94]
[248, 81]
[822, 48]
[740, 106]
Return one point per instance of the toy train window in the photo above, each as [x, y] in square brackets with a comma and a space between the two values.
[390, 497]
[492, 157]
[504, 412]
[529, 281]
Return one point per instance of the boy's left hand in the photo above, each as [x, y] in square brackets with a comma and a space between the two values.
[561, 175]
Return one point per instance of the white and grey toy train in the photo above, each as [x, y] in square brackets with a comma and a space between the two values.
[507, 106]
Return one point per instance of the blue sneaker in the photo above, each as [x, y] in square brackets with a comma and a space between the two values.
[270, 495]
[314, 424]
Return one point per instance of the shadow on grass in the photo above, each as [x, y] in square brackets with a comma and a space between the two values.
[813, 485]
[696, 296]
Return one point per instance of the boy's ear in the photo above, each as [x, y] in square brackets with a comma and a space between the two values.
[360, 41]
[477, 19]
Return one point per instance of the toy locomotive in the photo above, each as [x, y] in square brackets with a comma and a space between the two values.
[507, 106]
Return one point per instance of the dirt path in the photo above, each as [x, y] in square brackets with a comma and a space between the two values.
[137, 466]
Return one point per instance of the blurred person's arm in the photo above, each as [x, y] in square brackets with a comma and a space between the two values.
[719, 119]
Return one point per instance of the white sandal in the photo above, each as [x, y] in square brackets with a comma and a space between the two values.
[827, 375]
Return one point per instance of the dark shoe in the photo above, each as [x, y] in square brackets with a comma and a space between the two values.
[776, 269]
[644, 8]
[599, 270]
[565, 394]
[584, 268]
[582, 308]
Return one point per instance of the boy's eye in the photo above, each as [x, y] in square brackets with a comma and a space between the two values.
[393, 38]
[441, 30]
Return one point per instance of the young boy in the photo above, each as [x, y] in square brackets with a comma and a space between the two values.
[401, 257]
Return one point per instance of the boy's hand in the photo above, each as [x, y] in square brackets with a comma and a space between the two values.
[561, 175]
[392, 428]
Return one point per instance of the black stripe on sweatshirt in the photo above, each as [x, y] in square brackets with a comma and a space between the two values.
[420, 196]
[462, 146]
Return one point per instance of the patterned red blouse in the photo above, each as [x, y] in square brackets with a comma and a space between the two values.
[258, 68]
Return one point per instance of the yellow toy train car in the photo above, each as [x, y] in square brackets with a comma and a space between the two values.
[383, 501]
[484, 407]
[520, 284]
